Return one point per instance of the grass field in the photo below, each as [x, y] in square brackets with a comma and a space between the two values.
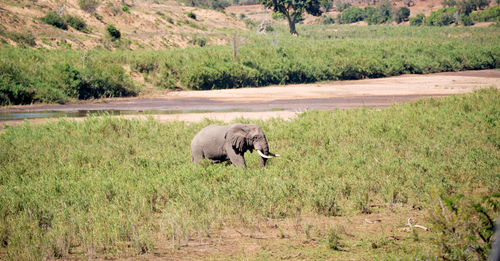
[114, 187]
[320, 53]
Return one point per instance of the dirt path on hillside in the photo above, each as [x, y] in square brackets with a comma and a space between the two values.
[280, 101]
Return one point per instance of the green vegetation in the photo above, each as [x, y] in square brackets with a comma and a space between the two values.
[352, 15]
[113, 32]
[292, 10]
[45, 79]
[379, 15]
[191, 15]
[402, 14]
[442, 17]
[108, 186]
[23, 39]
[447, 16]
[52, 18]
[344, 54]
[76, 22]
[491, 14]
[465, 226]
[126, 9]
[417, 20]
[89, 6]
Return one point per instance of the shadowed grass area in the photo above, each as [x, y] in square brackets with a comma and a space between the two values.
[115, 186]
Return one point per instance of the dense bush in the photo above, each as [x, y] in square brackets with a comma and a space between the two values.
[370, 15]
[466, 6]
[49, 81]
[326, 4]
[402, 14]
[90, 6]
[52, 18]
[126, 9]
[328, 20]
[465, 225]
[191, 15]
[491, 14]
[113, 32]
[351, 15]
[417, 20]
[384, 12]
[75, 22]
[442, 17]
[381, 14]
[466, 20]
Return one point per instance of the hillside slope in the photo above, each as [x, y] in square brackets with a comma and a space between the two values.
[145, 24]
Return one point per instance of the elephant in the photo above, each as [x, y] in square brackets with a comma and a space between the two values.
[222, 143]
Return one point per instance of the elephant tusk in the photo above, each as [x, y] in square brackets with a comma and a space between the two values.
[262, 155]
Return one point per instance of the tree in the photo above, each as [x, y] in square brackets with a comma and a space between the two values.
[402, 14]
[293, 9]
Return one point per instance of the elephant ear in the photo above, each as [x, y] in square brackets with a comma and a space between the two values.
[237, 137]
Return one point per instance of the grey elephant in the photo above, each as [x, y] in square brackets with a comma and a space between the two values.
[222, 143]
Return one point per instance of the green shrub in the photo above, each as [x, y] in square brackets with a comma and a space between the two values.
[89, 6]
[191, 15]
[384, 12]
[97, 16]
[370, 15]
[442, 17]
[466, 20]
[126, 9]
[199, 41]
[113, 32]
[491, 14]
[465, 225]
[328, 20]
[52, 18]
[326, 4]
[402, 14]
[351, 15]
[76, 22]
[417, 20]
[97, 82]
[21, 38]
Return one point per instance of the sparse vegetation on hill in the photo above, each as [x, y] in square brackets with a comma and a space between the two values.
[110, 187]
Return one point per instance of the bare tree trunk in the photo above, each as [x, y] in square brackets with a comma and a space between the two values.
[291, 24]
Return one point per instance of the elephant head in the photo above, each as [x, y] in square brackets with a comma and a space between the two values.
[249, 137]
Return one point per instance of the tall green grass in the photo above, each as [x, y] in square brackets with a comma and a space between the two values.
[320, 53]
[113, 186]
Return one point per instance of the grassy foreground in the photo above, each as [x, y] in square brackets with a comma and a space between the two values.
[320, 53]
[114, 186]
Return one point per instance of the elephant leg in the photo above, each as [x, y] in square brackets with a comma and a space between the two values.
[196, 156]
[237, 159]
